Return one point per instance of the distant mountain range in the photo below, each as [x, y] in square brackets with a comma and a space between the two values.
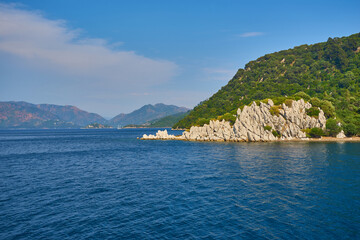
[73, 114]
[27, 115]
[146, 114]
[167, 121]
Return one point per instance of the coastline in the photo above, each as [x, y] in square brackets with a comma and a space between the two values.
[258, 123]
[324, 139]
[331, 139]
[165, 136]
[147, 128]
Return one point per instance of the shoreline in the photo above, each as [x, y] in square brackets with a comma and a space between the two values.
[322, 139]
[260, 123]
[331, 139]
[146, 128]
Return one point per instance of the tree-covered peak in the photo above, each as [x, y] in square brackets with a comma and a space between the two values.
[328, 71]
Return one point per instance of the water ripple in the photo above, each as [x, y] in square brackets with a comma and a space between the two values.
[84, 184]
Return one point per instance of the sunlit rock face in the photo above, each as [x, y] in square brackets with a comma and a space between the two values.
[159, 135]
[255, 123]
[341, 134]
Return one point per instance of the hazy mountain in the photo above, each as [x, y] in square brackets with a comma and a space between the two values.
[27, 115]
[146, 114]
[73, 114]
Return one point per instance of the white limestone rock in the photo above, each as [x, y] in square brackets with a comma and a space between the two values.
[251, 122]
[160, 135]
[341, 134]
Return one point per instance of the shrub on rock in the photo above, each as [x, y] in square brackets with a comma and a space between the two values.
[313, 112]
[276, 134]
[268, 128]
[228, 117]
[288, 102]
[275, 110]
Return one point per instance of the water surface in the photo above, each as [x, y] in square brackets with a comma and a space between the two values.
[106, 184]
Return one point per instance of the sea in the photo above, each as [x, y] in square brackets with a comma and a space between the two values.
[107, 184]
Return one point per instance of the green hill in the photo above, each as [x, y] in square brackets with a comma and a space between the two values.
[329, 71]
[164, 122]
[146, 114]
[168, 121]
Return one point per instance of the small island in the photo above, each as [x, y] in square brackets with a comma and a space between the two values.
[97, 126]
[263, 122]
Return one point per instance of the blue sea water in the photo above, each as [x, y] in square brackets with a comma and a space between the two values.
[106, 184]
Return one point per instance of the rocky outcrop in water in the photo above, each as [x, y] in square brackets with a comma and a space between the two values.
[159, 135]
[256, 123]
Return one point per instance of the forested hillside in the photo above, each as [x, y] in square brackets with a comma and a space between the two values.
[28, 115]
[329, 71]
[168, 121]
[146, 114]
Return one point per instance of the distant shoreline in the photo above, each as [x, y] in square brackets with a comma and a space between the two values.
[156, 127]
[143, 127]
[87, 128]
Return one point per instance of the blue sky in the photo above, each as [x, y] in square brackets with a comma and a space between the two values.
[110, 57]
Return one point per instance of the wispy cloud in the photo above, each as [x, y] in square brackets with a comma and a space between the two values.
[51, 44]
[251, 34]
[44, 60]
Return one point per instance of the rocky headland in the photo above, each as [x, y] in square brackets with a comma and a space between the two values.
[254, 123]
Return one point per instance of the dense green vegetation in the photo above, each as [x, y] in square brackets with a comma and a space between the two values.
[326, 74]
[332, 127]
[168, 121]
[313, 112]
[146, 114]
[314, 132]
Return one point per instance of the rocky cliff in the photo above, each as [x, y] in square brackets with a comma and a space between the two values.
[256, 123]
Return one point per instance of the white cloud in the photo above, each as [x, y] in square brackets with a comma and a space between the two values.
[49, 45]
[251, 34]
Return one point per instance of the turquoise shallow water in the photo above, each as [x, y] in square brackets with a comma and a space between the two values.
[106, 184]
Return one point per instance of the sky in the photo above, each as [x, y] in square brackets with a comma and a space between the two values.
[114, 56]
